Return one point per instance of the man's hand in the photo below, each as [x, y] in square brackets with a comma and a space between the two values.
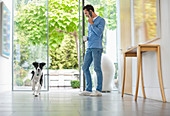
[90, 20]
[84, 38]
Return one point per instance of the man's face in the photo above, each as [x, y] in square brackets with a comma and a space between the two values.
[86, 13]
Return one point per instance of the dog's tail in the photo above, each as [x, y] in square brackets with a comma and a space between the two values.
[32, 74]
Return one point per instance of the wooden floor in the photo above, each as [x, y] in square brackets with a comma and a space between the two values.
[65, 102]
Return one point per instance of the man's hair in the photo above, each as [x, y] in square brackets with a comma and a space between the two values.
[88, 7]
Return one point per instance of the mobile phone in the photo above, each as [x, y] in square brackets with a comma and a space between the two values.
[90, 13]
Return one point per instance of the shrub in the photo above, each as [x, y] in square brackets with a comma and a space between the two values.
[65, 56]
[19, 82]
[23, 73]
[75, 84]
[27, 82]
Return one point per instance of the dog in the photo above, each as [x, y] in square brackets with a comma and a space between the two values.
[37, 77]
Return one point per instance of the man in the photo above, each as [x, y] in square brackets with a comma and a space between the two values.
[94, 50]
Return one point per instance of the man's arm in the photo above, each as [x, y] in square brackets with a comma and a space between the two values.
[98, 29]
[88, 33]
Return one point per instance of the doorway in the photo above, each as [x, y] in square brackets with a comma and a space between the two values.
[42, 31]
[46, 31]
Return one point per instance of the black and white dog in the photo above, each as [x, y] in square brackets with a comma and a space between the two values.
[37, 77]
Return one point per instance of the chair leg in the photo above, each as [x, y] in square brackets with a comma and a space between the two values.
[160, 74]
[138, 71]
[123, 85]
[143, 90]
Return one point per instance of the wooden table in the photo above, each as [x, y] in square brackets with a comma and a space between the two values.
[137, 52]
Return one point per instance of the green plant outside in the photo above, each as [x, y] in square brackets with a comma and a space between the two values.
[31, 28]
[75, 84]
[31, 22]
[27, 82]
[19, 82]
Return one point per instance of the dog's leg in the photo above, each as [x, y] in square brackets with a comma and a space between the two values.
[39, 87]
[33, 87]
[41, 81]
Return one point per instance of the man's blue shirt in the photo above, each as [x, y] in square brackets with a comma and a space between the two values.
[95, 33]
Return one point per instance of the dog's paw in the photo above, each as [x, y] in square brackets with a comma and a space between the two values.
[36, 95]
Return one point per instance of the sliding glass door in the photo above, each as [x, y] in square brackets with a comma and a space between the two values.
[29, 41]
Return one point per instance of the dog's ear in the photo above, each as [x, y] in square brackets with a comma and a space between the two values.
[42, 64]
[32, 74]
[35, 64]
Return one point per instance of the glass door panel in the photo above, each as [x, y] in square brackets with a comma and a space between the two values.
[29, 41]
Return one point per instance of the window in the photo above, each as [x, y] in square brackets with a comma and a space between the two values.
[145, 21]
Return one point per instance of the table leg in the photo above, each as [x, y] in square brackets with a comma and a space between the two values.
[160, 74]
[124, 73]
[138, 71]
[143, 90]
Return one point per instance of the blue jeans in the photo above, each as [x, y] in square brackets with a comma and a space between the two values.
[93, 54]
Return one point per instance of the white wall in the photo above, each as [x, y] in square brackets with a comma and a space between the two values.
[151, 82]
[6, 64]
[111, 47]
